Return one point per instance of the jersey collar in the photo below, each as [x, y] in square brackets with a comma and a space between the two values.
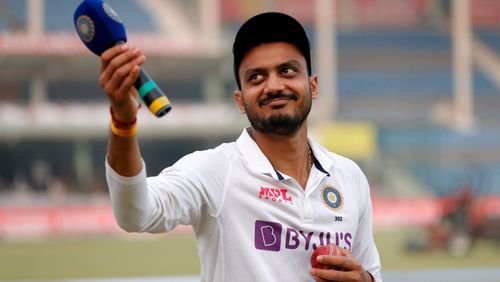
[258, 162]
[254, 157]
[321, 159]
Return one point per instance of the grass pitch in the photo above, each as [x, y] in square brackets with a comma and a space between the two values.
[98, 257]
[161, 255]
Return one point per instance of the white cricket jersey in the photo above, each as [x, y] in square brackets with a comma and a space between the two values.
[252, 223]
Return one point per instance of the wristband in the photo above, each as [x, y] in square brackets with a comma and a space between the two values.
[124, 132]
[121, 124]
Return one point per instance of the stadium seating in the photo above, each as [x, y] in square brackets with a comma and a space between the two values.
[58, 15]
[391, 73]
[12, 15]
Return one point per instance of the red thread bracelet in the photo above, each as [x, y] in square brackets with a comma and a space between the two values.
[118, 123]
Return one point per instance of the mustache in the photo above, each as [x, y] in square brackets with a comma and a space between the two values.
[269, 97]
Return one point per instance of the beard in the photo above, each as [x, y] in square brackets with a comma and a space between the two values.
[279, 124]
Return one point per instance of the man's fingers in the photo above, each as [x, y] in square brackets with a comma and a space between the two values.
[342, 262]
[124, 58]
[122, 73]
[117, 63]
[336, 275]
[345, 252]
[109, 54]
[327, 274]
[129, 81]
[118, 70]
[349, 268]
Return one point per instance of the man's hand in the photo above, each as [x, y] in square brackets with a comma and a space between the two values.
[351, 269]
[120, 67]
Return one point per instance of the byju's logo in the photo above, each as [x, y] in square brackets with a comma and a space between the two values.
[267, 235]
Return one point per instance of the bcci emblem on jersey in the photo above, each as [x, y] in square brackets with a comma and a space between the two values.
[332, 198]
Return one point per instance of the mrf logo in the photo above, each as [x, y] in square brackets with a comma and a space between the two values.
[272, 236]
[275, 194]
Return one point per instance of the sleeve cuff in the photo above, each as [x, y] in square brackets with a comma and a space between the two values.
[125, 180]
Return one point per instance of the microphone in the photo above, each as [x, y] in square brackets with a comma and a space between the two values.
[100, 28]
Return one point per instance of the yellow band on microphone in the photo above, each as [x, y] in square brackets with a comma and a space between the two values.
[158, 104]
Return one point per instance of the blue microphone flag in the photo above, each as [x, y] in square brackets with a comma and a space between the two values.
[100, 28]
[98, 25]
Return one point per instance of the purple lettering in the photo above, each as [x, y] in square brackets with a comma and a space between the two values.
[268, 237]
[308, 238]
[348, 237]
[294, 237]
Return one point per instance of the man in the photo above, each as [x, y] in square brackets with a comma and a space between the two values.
[258, 206]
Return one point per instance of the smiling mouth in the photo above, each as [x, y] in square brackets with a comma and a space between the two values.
[278, 97]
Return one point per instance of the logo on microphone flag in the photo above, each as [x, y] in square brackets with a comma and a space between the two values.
[110, 12]
[85, 28]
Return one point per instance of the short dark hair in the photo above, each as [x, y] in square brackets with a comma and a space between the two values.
[267, 28]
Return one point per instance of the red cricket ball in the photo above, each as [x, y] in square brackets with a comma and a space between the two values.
[329, 250]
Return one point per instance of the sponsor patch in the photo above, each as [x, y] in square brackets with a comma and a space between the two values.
[279, 195]
[275, 237]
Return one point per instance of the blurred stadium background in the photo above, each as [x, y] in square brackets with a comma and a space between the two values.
[410, 89]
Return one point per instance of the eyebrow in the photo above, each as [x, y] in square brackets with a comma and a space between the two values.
[293, 63]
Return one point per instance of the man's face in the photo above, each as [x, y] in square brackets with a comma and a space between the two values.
[276, 91]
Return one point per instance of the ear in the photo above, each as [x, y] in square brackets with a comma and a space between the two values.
[238, 98]
[313, 82]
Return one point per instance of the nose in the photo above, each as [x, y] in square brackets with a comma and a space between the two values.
[274, 83]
